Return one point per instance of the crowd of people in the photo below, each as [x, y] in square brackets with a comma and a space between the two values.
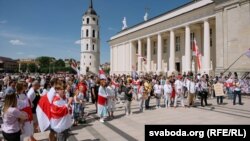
[62, 98]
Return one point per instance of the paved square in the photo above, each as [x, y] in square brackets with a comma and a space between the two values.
[131, 127]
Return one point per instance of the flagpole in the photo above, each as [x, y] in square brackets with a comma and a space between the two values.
[234, 62]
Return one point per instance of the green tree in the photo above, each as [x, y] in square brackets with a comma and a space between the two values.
[23, 67]
[44, 61]
[59, 63]
[32, 67]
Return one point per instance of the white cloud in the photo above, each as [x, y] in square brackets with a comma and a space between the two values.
[78, 42]
[16, 42]
[3, 21]
[19, 53]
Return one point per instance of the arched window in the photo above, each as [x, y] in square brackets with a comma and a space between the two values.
[93, 34]
[87, 20]
[90, 57]
[90, 64]
[93, 47]
[87, 47]
[87, 33]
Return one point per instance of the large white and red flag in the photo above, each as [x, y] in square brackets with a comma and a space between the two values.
[61, 118]
[248, 53]
[195, 48]
[43, 109]
[43, 112]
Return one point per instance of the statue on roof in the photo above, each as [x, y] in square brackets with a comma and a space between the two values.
[124, 23]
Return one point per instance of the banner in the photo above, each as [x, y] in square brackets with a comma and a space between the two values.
[218, 88]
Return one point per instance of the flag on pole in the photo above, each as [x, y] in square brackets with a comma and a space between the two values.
[74, 66]
[101, 71]
[248, 53]
[195, 48]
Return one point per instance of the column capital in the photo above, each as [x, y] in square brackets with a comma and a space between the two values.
[171, 30]
[159, 34]
[187, 26]
[205, 20]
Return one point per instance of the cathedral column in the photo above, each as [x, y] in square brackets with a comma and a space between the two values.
[172, 52]
[187, 49]
[130, 56]
[139, 56]
[111, 59]
[159, 53]
[206, 65]
[148, 54]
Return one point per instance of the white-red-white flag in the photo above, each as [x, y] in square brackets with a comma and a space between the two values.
[43, 113]
[101, 71]
[248, 53]
[61, 118]
[195, 48]
[74, 66]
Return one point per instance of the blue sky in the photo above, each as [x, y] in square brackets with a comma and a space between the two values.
[32, 28]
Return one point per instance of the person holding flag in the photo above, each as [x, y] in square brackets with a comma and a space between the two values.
[61, 119]
[197, 54]
[102, 97]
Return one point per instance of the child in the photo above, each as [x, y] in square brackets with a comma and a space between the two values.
[78, 105]
[111, 99]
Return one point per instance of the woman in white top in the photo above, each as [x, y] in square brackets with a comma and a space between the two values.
[158, 93]
[179, 91]
[111, 99]
[167, 93]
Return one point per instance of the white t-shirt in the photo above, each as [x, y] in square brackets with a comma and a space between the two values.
[168, 89]
[31, 94]
[157, 89]
[178, 85]
[191, 87]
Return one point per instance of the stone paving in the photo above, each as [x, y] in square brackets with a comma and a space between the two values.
[131, 127]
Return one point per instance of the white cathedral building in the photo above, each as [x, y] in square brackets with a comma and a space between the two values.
[90, 42]
[221, 29]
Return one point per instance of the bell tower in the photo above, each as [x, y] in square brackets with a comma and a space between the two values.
[90, 41]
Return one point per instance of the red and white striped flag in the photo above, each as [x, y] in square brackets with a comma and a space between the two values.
[101, 71]
[248, 53]
[61, 118]
[195, 48]
[43, 112]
